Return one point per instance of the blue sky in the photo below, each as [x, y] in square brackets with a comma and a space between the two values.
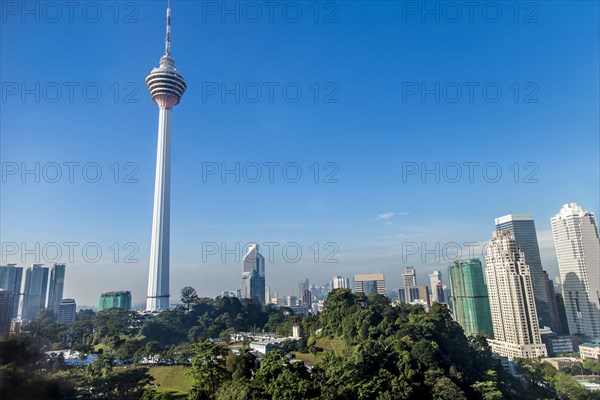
[366, 128]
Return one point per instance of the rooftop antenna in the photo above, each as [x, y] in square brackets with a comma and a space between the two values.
[168, 38]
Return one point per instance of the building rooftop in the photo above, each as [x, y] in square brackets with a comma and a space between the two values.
[514, 217]
[590, 345]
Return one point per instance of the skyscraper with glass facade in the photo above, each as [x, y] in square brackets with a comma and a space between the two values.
[11, 278]
[36, 290]
[253, 275]
[55, 287]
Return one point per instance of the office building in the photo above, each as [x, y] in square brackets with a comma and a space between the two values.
[522, 227]
[589, 350]
[55, 287]
[340, 283]
[435, 278]
[369, 283]
[562, 312]
[409, 277]
[577, 243]
[66, 311]
[418, 294]
[6, 311]
[253, 275]
[302, 285]
[306, 298]
[440, 292]
[291, 301]
[556, 344]
[11, 278]
[512, 301]
[35, 291]
[120, 300]
[469, 297]
[559, 324]
[166, 86]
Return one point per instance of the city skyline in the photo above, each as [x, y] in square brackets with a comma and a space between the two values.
[369, 233]
[290, 287]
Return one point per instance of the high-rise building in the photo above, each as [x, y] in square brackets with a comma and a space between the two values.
[559, 323]
[434, 279]
[166, 87]
[55, 287]
[306, 297]
[35, 292]
[120, 300]
[409, 277]
[369, 283]
[11, 278]
[66, 311]
[441, 292]
[253, 275]
[522, 227]
[577, 243]
[340, 283]
[469, 297]
[512, 301]
[302, 286]
[562, 312]
[6, 311]
[418, 294]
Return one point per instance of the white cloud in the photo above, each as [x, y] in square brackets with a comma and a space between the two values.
[390, 215]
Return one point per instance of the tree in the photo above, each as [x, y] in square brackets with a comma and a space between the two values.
[237, 390]
[188, 296]
[568, 388]
[22, 372]
[129, 384]
[129, 351]
[591, 365]
[240, 366]
[111, 322]
[208, 369]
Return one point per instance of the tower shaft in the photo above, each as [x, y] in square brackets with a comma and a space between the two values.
[158, 280]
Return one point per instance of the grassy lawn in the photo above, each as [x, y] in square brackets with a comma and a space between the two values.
[335, 345]
[309, 359]
[171, 379]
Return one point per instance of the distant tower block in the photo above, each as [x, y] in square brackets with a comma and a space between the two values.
[166, 86]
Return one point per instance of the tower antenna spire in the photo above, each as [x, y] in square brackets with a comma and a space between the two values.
[168, 37]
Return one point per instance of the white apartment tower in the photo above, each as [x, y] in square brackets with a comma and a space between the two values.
[409, 277]
[512, 301]
[434, 278]
[577, 245]
[340, 283]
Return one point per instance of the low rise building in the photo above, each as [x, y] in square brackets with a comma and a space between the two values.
[589, 350]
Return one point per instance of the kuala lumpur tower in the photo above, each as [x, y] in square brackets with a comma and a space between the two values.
[166, 86]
